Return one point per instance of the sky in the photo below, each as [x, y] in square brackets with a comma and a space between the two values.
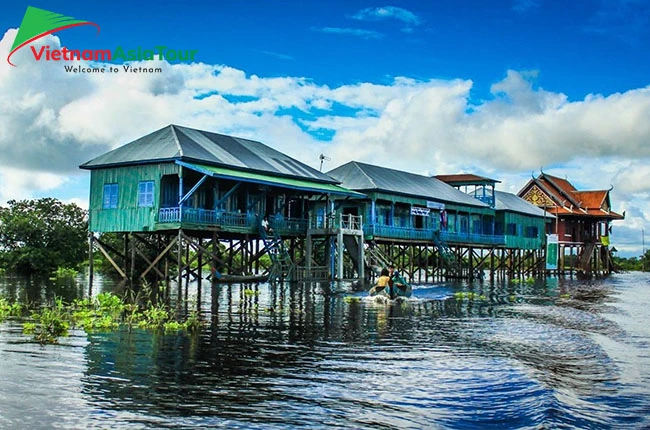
[502, 89]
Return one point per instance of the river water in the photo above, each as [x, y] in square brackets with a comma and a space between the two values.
[558, 353]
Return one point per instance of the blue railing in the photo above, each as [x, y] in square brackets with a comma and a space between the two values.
[482, 239]
[230, 219]
[344, 221]
[288, 225]
[392, 232]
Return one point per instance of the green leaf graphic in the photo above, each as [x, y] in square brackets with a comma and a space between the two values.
[39, 22]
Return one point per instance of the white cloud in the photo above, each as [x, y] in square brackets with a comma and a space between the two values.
[18, 184]
[365, 34]
[523, 6]
[387, 12]
[51, 121]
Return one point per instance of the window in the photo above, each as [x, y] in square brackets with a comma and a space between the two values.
[511, 229]
[145, 194]
[110, 196]
[532, 231]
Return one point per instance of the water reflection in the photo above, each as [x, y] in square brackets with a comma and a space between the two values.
[511, 355]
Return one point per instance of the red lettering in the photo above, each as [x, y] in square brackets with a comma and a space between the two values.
[38, 55]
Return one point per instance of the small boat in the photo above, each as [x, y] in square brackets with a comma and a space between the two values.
[234, 279]
[399, 288]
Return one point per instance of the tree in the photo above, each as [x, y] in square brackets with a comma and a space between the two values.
[42, 235]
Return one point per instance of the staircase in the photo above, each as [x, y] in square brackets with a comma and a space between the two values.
[374, 257]
[447, 255]
[282, 267]
[584, 262]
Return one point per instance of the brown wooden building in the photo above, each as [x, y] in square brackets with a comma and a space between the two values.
[582, 219]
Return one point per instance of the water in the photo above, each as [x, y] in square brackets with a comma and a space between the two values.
[554, 354]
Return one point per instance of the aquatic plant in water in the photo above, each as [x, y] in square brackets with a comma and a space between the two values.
[105, 312]
[49, 323]
[9, 309]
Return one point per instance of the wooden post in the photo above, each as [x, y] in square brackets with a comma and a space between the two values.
[91, 240]
[132, 268]
[470, 261]
[339, 255]
[361, 269]
[179, 260]
[200, 280]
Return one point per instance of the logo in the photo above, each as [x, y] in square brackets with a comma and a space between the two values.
[38, 23]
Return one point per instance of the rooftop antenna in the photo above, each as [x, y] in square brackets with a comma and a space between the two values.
[322, 158]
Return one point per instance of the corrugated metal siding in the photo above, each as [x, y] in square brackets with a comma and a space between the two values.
[127, 216]
[522, 221]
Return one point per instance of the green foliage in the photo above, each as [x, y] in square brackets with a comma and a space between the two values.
[9, 309]
[39, 236]
[633, 264]
[461, 295]
[62, 272]
[105, 312]
[50, 323]
[250, 293]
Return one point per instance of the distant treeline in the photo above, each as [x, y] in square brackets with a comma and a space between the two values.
[41, 236]
[634, 263]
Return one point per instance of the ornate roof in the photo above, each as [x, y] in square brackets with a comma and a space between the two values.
[560, 197]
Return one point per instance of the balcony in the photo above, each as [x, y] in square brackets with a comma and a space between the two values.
[235, 221]
[407, 233]
[473, 238]
[342, 221]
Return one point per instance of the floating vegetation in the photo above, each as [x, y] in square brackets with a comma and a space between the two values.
[9, 309]
[352, 299]
[461, 295]
[63, 272]
[528, 280]
[105, 312]
[250, 293]
[49, 323]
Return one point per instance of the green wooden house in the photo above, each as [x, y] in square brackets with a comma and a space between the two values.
[522, 223]
[403, 205]
[179, 177]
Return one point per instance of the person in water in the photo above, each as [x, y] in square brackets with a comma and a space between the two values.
[383, 281]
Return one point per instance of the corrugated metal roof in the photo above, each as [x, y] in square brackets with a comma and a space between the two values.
[465, 179]
[513, 203]
[367, 177]
[260, 178]
[175, 142]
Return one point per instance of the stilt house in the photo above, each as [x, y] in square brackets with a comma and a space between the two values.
[179, 177]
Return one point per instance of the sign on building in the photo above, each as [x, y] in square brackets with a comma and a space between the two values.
[420, 211]
[551, 251]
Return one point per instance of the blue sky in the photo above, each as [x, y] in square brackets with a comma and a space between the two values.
[500, 88]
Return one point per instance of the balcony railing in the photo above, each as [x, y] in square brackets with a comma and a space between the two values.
[482, 239]
[288, 225]
[392, 232]
[344, 221]
[230, 219]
